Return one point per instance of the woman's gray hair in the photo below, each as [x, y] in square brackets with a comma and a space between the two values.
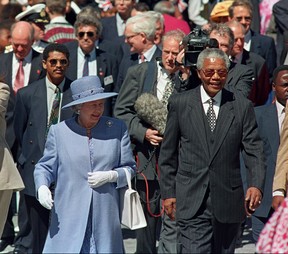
[142, 23]
[212, 53]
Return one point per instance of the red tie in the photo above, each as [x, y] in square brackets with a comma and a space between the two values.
[19, 80]
[142, 58]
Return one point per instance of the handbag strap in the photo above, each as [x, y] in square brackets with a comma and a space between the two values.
[128, 177]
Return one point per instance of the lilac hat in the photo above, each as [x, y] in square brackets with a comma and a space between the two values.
[87, 89]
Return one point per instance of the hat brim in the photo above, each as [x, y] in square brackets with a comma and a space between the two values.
[94, 97]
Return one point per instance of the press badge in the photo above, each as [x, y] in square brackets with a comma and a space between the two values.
[108, 80]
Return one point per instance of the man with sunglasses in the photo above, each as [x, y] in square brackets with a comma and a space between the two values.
[37, 107]
[87, 57]
[263, 45]
[207, 128]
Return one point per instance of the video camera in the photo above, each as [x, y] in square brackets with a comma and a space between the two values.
[194, 43]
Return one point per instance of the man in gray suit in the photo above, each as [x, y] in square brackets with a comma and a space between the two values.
[200, 160]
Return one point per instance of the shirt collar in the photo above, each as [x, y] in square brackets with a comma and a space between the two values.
[59, 19]
[280, 108]
[149, 53]
[52, 86]
[119, 19]
[27, 59]
[205, 97]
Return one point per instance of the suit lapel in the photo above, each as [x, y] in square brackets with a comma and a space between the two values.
[196, 119]
[224, 121]
[40, 97]
[271, 121]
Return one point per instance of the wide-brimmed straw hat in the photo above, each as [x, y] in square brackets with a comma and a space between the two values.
[87, 89]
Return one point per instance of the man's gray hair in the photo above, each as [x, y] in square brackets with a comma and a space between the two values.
[88, 16]
[223, 30]
[212, 53]
[142, 23]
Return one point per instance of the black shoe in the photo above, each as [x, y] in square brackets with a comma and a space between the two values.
[20, 250]
[4, 243]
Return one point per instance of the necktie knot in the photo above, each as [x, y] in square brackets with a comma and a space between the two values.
[142, 58]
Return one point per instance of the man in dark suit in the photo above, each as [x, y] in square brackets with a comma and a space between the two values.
[140, 36]
[34, 112]
[22, 40]
[149, 77]
[240, 77]
[87, 59]
[200, 160]
[113, 27]
[242, 10]
[269, 119]
[261, 84]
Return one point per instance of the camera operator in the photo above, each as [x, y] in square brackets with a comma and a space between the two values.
[240, 77]
[158, 78]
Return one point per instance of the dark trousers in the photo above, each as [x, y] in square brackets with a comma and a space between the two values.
[146, 237]
[205, 234]
[39, 220]
[258, 224]
[168, 236]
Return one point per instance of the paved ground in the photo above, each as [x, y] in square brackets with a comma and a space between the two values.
[130, 242]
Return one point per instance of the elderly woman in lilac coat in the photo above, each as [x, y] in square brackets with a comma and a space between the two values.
[85, 158]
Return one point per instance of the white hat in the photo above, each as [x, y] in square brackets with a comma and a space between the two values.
[35, 14]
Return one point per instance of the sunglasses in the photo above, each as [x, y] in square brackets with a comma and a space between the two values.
[82, 34]
[210, 73]
[53, 62]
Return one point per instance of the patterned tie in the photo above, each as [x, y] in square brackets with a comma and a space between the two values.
[86, 66]
[142, 58]
[211, 116]
[19, 79]
[168, 90]
[54, 115]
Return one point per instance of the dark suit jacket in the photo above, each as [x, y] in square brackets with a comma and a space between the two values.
[188, 168]
[268, 128]
[106, 66]
[124, 109]
[128, 61]
[280, 12]
[30, 126]
[6, 73]
[261, 85]
[264, 46]
[110, 31]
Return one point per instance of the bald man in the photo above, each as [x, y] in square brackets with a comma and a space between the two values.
[22, 34]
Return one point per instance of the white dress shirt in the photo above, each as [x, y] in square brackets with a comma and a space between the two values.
[205, 101]
[51, 89]
[92, 64]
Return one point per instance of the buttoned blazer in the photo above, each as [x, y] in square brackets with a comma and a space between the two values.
[30, 125]
[268, 128]
[264, 46]
[261, 85]
[189, 167]
[128, 61]
[6, 72]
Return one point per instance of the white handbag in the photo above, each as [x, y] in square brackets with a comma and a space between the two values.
[132, 215]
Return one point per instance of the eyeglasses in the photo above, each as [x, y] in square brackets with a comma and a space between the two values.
[131, 36]
[247, 19]
[82, 34]
[210, 73]
[53, 62]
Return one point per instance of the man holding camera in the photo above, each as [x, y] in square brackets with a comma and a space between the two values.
[156, 77]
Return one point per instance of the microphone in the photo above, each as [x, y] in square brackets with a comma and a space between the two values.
[152, 111]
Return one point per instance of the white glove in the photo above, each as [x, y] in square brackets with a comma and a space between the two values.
[98, 178]
[45, 197]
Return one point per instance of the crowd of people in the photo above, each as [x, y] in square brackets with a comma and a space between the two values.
[71, 75]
